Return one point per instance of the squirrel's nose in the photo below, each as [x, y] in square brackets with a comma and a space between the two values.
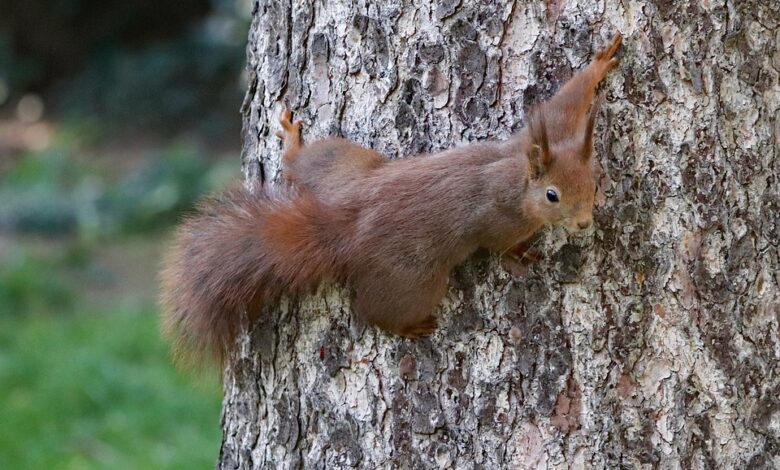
[583, 225]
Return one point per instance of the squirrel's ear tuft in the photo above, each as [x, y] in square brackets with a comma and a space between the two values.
[539, 147]
[587, 144]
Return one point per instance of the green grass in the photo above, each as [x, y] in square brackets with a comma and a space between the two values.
[86, 381]
[99, 391]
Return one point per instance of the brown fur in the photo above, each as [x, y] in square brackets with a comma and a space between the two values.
[392, 230]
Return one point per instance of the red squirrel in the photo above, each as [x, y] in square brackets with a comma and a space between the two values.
[392, 230]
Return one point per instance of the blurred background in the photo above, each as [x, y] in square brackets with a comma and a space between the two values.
[114, 117]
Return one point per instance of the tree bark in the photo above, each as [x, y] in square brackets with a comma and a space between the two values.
[652, 342]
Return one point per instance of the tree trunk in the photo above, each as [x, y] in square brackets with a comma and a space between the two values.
[652, 342]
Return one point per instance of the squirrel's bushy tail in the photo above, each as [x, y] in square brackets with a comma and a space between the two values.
[239, 252]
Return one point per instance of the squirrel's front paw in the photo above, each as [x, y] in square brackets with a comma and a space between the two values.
[288, 126]
[604, 58]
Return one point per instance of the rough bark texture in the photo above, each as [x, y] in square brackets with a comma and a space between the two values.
[652, 342]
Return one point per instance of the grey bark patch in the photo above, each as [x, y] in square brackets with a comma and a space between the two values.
[568, 262]
[331, 354]
[287, 429]
[407, 367]
[343, 439]
[320, 48]
[446, 8]
[374, 45]
[432, 53]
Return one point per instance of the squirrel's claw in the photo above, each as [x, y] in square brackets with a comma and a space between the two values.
[605, 55]
[285, 116]
[286, 122]
[604, 61]
[609, 51]
[288, 126]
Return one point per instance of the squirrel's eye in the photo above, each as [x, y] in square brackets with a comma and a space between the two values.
[552, 196]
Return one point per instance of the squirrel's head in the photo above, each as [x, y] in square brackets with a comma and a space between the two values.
[562, 180]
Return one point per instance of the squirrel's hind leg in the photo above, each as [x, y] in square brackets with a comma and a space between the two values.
[404, 308]
[291, 135]
[423, 328]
